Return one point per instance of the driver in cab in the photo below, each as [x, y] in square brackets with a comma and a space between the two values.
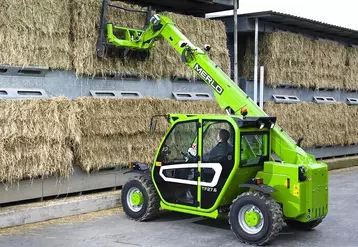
[223, 148]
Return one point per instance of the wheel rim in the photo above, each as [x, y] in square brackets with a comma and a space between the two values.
[251, 219]
[135, 199]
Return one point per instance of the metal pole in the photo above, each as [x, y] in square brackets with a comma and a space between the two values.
[262, 87]
[235, 44]
[256, 56]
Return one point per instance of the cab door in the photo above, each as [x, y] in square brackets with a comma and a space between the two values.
[217, 159]
[176, 166]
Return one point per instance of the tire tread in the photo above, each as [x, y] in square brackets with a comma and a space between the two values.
[153, 199]
[274, 207]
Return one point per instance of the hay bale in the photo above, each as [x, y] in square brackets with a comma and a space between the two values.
[351, 124]
[37, 138]
[163, 62]
[98, 152]
[115, 131]
[293, 58]
[35, 33]
[319, 124]
[351, 75]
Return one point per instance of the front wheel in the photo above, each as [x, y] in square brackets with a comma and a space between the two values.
[139, 198]
[305, 226]
[255, 218]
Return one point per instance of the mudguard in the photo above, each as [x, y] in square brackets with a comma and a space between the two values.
[266, 189]
[139, 168]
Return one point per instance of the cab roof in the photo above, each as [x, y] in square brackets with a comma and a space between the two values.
[242, 122]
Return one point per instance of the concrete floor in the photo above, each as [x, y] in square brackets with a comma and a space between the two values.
[173, 229]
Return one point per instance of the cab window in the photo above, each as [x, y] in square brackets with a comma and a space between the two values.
[218, 141]
[180, 139]
[254, 148]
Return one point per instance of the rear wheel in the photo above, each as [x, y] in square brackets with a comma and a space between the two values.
[305, 226]
[139, 198]
[255, 218]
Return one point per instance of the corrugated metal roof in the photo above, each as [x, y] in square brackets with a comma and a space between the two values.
[302, 23]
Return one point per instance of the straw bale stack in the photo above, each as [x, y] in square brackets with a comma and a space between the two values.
[293, 58]
[319, 124]
[163, 62]
[63, 35]
[37, 136]
[35, 33]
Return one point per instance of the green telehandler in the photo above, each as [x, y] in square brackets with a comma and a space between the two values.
[219, 165]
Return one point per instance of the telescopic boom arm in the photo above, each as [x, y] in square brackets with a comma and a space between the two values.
[227, 93]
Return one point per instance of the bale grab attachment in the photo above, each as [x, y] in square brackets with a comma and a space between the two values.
[116, 41]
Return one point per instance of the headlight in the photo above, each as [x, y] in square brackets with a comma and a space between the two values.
[261, 125]
[272, 125]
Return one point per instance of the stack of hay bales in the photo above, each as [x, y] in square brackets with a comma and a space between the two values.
[35, 33]
[63, 35]
[319, 124]
[37, 136]
[293, 58]
[115, 132]
[164, 61]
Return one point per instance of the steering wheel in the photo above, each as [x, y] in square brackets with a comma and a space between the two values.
[166, 150]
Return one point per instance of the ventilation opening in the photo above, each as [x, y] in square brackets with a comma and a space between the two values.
[2, 92]
[202, 95]
[280, 97]
[29, 72]
[105, 94]
[292, 97]
[33, 93]
[3, 71]
[130, 95]
[29, 93]
[183, 95]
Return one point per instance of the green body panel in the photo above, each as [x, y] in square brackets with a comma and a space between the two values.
[302, 201]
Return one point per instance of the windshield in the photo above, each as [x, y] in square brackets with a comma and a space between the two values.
[254, 148]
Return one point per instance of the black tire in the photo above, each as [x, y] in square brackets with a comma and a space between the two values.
[272, 218]
[303, 226]
[151, 203]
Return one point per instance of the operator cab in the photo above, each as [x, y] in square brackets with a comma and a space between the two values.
[200, 152]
